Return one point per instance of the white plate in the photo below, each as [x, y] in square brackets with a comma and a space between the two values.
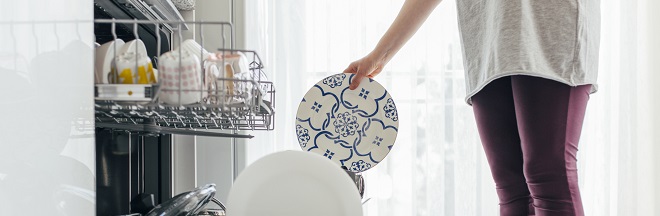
[293, 183]
[104, 56]
[354, 128]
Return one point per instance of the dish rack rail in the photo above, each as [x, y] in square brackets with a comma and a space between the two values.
[250, 105]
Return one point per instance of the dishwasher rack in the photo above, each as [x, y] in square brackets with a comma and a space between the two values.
[250, 105]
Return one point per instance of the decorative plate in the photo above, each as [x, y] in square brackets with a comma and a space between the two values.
[354, 128]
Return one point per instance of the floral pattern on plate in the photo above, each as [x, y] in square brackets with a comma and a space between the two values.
[303, 136]
[354, 128]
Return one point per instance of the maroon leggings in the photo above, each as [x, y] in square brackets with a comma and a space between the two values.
[529, 128]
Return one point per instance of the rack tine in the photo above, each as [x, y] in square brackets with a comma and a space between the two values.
[158, 43]
[129, 117]
[180, 63]
[137, 38]
[224, 41]
[161, 117]
[113, 29]
[232, 38]
[178, 117]
[135, 31]
[106, 114]
[231, 122]
[197, 117]
[201, 61]
[114, 70]
[215, 122]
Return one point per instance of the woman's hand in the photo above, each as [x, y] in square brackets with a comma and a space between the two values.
[368, 66]
[410, 18]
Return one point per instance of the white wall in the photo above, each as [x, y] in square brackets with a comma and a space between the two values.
[184, 172]
[221, 10]
[653, 58]
[46, 111]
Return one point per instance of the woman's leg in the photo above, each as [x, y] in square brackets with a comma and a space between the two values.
[496, 120]
[549, 116]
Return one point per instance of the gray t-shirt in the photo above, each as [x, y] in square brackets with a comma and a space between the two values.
[552, 39]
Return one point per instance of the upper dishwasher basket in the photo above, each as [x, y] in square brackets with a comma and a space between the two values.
[237, 102]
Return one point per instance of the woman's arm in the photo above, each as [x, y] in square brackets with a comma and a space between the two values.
[410, 18]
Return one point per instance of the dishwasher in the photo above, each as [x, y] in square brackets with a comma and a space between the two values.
[137, 124]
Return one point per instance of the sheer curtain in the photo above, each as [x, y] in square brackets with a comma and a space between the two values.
[437, 166]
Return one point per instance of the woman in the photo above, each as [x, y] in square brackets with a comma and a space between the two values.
[530, 67]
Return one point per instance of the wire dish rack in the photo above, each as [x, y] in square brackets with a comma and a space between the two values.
[249, 104]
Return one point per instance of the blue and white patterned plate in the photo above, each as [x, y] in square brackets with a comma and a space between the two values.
[355, 128]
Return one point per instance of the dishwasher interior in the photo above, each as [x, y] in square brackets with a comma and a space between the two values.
[136, 132]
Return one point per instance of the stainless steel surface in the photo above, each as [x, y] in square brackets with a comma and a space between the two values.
[152, 129]
[188, 203]
[358, 179]
[217, 202]
[165, 9]
[214, 212]
[133, 9]
[138, 9]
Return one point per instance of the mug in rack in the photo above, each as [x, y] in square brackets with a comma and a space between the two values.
[218, 90]
[181, 78]
[238, 61]
[237, 66]
[132, 69]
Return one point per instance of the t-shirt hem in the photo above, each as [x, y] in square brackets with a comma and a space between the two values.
[468, 98]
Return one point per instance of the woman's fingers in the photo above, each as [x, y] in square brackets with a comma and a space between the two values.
[351, 68]
[361, 73]
[364, 67]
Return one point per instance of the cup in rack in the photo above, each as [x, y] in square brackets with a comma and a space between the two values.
[239, 69]
[238, 61]
[132, 68]
[219, 90]
[181, 78]
[211, 67]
